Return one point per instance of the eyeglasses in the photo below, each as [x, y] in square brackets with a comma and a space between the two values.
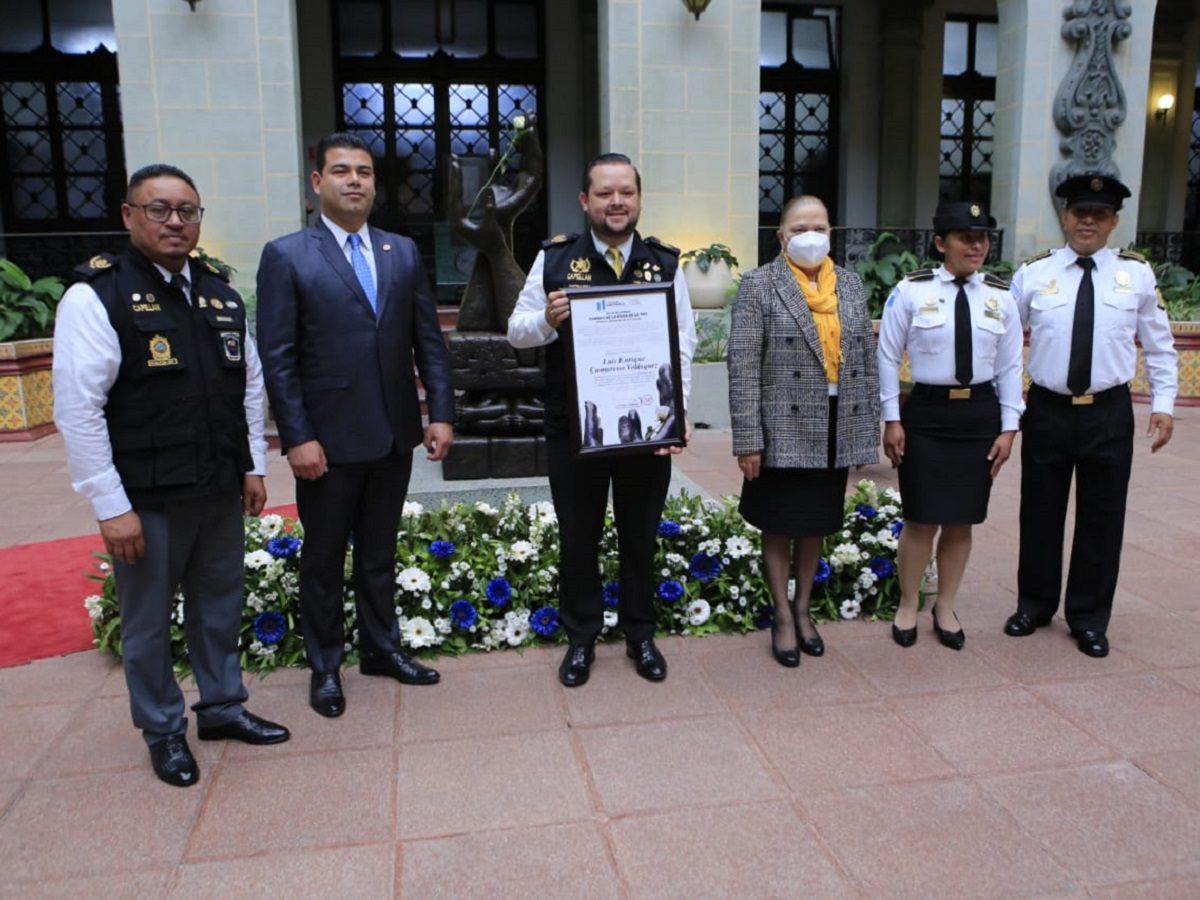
[161, 212]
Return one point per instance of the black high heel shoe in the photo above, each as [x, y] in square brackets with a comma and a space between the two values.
[789, 659]
[952, 639]
[813, 646]
[905, 637]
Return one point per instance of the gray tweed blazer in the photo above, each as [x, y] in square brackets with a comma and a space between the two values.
[778, 392]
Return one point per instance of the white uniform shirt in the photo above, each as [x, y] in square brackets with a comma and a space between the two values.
[87, 358]
[1126, 306]
[919, 318]
[527, 326]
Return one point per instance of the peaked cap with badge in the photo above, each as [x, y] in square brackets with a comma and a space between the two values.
[1093, 189]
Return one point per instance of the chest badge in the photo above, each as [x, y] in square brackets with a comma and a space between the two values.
[160, 353]
[991, 308]
[216, 304]
[231, 341]
[1051, 288]
[580, 269]
[1123, 282]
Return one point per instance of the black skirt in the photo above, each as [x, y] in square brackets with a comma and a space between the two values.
[945, 478]
[798, 502]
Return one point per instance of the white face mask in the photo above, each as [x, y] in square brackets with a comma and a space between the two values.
[808, 248]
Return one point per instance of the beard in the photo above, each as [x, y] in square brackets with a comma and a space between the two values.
[601, 227]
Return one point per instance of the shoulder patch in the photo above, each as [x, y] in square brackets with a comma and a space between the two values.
[97, 265]
[1132, 254]
[994, 281]
[223, 275]
[559, 239]
[670, 248]
[919, 275]
[1037, 256]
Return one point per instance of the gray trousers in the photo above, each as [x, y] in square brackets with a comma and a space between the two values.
[197, 545]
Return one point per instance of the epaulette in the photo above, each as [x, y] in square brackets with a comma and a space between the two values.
[1037, 257]
[992, 280]
[670, 248]
[919, 275]
[222, 274]
[97, 265]
[558, 239]
[1132, 254]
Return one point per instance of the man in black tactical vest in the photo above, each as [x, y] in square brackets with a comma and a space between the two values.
[159, 397]
[610, 252]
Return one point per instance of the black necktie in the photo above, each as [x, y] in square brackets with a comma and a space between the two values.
[180, 284]
[964, 369]
[1079, 369]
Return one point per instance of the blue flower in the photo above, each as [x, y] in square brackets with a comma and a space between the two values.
[823, 572]
[867, 512]
[669, 528]
[670, 590]
[611, 594]
[499, 592]
[764, 616]
[544, 621]
[442, 549]
[705, 567]
[270, 626]
[463, 614]
[883, 568]
[897, 527]
[283, 547]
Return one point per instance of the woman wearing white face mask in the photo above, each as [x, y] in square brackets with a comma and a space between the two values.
[804, 402]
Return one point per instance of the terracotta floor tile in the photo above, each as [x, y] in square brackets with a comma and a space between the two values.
[621, 696]
[1001, 730]
[8, 792]
[483, 702]
[96, 824]
[60, 679]
[1166, 889]
[484, 783]
[1189, 678]
[926, 667]
[1048, 654]
[1179, 771]
[1137, 712]
[562, 861]
[666, 765]
[360, 872]
[287, 802]
[925, 840]
[826, 748]
[761, 850]
[496, 659]
[1105, 823]
[28, 733]
[1162, 641]
[118, 886]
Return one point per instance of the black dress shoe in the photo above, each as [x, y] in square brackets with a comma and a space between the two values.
[787, 658]
[247, 728]
[1093, 643]
[576, 665]
[813, 646]
[649, 662]
[905, 637]
[400, 666]
[1020, 624]
[325, 694]
[952, 639]
[173, 761]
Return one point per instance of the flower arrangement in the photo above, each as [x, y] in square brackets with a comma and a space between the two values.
[477, 577]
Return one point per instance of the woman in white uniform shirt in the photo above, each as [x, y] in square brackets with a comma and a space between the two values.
[963, 336]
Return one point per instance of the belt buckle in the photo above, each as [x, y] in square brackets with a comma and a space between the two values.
[960, 393]
[1083, 400]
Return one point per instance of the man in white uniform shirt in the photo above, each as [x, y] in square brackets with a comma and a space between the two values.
[1084, 304]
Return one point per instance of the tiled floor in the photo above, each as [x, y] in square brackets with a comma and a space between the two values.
[1017, 767]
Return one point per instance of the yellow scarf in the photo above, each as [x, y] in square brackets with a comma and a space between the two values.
[822, 301]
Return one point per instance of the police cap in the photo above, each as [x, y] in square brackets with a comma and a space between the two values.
[961, 217]
[1092, 189]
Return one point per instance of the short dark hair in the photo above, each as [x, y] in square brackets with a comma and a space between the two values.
[158, 170]
[610, 159]
[344, 139]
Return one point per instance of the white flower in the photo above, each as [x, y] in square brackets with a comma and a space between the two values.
[516, 632]
[104, 567]
[866, 578]
[92, 605]
[698, 612]
[720, 609]
[737, 546]
[411, 509]
[418, 632]
[271, 525]
[258, 559]
[850, 609]
[486, 509]
[542, 512]
[610, 618]
[521, 551]
[426, 603]
[414, 580]
[442, 625]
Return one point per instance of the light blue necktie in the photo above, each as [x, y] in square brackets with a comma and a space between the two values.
[361, 269]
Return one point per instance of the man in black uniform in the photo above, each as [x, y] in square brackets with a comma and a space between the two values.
[611, 252]
[159, 398]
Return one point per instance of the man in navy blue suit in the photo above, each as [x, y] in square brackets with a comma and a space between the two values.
[343, 311]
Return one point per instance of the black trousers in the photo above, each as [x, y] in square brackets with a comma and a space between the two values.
[1094, 444]
[580, 491]
[364, 500]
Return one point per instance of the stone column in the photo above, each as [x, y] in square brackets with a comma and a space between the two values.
[215, 92]
[901, 27]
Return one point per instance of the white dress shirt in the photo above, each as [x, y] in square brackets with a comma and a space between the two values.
[1126, 307]
[340, 234]
[87, 358]
[527, 326]
[919, 318]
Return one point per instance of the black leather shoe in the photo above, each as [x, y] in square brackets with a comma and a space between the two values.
[173, 761]
[650, 663]
[813, 646]
[400, 666]
[576, 665]
[325, 694]
[952, 639]
[905, 637]
[789, 659]
[247, 728]
[1020, 624]
[1093, 643]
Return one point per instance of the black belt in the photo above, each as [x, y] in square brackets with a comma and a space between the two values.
[981, 391]
[1118, 394]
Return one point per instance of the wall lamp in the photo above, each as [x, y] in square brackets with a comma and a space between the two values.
[1165, 104]
[695, 7]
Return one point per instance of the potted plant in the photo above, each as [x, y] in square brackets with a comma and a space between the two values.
[26, 325]
[1179, 289]
[709, 275]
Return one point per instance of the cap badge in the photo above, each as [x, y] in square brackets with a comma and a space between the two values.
[1096, 184]
[975, 210]
[99, 262]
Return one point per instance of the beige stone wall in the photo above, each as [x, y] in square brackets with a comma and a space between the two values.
[215, 92]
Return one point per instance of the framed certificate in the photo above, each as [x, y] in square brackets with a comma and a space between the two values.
[624, 370]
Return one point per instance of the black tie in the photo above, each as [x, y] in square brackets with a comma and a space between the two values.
[1079, 370]
[964, 370]
[180, 284]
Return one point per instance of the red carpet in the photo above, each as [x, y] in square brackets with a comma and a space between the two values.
[42, 587]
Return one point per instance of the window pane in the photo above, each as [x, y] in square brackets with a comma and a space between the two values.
[24, 103]
[80, 26]
[85, 197]
[468, 105]
[80, 103]
[414, 104]
[413, 32]
[470, 32]
[516, 30]
[362, 103]
[773, 51]
[360, 27]
[954, 53]
[985, 48]
[84, 150]
[810, 43]
[22, 31]
[29, 151]
[33, 198]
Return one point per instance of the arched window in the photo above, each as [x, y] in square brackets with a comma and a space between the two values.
[968, 109]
